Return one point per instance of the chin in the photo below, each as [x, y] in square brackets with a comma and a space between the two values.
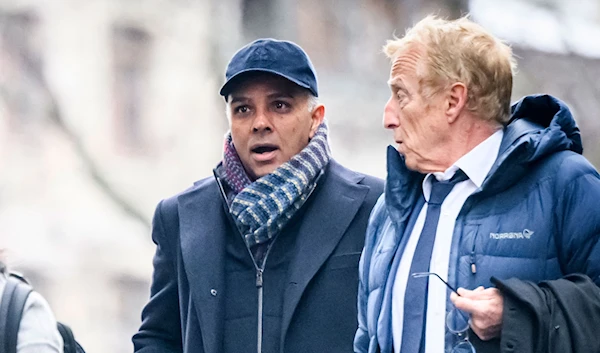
[411, 163]
[412, 166]
[409, 160]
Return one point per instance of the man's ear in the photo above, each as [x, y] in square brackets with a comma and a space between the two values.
[318, 114]
[457, 101]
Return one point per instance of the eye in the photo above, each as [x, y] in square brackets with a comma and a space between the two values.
[280, 105]
[402, 97]
[243, 109]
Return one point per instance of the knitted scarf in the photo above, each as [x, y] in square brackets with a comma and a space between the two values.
[263, 207]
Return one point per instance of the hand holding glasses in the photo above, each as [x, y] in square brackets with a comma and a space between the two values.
[457, 321]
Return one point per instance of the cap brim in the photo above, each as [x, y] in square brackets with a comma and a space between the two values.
[226, 89]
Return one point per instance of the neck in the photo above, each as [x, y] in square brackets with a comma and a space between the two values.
[467, 138]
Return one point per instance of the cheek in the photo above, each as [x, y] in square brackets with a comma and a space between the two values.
[240, 139]
[407, 120]
[295, 136]
[416, 121]
[414, 132]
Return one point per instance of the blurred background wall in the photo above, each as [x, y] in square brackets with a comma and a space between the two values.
[107, 106]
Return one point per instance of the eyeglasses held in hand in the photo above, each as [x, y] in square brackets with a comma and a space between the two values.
[457, 321]
[427, 274]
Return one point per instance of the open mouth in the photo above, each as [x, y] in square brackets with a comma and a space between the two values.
[263, 149]
[264, 153]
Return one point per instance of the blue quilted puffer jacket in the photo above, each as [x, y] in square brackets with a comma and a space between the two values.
[536, 217]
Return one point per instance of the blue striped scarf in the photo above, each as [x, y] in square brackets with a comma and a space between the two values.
[263, 207]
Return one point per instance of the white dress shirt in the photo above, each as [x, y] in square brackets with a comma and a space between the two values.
[476, 164]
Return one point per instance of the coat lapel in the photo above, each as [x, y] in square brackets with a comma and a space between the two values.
[392, 261]
[202, 232]
[335, 204]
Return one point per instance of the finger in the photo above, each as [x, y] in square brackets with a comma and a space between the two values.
[463, 292]
[466, 304]
[453, 297]
[479, 293]
[473, 294]
[478, 306]
[488, 294]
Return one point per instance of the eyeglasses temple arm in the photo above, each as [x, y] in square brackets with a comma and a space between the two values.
[423, 274]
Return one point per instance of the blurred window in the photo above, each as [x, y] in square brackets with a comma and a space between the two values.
[257, 18]
[20, 68]
[130, 51]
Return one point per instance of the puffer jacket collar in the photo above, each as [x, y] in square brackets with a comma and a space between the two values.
[540, 125]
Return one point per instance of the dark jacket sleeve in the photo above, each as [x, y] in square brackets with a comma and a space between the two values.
[161, 325]
[559, 316]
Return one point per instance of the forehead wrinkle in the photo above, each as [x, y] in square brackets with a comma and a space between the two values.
[406, 61]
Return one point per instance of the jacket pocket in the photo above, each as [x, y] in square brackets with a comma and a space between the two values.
[343, 261]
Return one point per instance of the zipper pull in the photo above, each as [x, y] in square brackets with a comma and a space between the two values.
[259, 278]
[473, 265]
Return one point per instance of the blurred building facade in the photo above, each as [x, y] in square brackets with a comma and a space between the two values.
[107, 106]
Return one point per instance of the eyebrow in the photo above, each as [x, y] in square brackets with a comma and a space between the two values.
[238, 99]
[397, 84]
[394, 82]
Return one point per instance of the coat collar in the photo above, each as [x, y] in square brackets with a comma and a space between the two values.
[204, 221]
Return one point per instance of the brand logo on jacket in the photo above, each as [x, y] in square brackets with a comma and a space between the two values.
[525, 234]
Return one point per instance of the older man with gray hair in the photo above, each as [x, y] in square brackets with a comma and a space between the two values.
[494, 200]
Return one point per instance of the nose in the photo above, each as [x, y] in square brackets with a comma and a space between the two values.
[261, 123]
[390, 115]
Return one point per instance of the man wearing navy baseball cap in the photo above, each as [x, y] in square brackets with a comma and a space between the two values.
[262, 257]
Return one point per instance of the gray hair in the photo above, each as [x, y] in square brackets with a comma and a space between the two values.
[313, 102]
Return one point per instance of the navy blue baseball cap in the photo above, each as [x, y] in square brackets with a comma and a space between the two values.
[279, 57]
